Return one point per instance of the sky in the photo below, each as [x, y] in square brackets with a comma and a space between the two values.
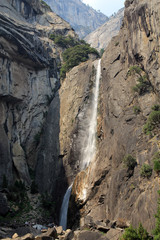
[108, 7]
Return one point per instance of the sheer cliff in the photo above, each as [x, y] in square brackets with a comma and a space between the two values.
[82, 17]
[120, 195]
[29, 77]
[44, 119]
[101, 37]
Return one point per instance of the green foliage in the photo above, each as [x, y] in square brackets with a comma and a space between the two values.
[136, 110]
[101, 52]
[5, 182]
[142, 86]
[64, 42]
[156, 231]
[116, 44]
[74, 56]
[156, 161]
[129, 162]
[156, 107]
[134, 69]
[131, 233]
[142, 233]
[153, 121]
[146, 170]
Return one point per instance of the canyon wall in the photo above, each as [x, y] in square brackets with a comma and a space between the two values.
[29, 80]
[115, 194]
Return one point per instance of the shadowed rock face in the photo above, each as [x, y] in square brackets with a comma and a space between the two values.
[82, 18]
[28, 81]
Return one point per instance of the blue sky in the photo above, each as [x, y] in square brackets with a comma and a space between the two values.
[108, 7]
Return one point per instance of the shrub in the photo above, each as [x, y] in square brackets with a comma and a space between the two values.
[131, 233]
[152, 122]
[74, 56]
[64, 42]
[156, 107]
[129, 162]
[142, 86]
[134, 69]
[146, 170]
[156, 160]
[136, 110]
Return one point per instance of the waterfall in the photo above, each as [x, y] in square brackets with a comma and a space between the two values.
[90, 148]
[64, 208]
[88, 152]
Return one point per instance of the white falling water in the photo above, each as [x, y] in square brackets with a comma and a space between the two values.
[64, 208]
[90, 148]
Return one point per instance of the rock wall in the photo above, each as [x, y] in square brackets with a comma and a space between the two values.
[84, 19]
[114, 193]
[101, 37]
[29, 79]
[59, 156]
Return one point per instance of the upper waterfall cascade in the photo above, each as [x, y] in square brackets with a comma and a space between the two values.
[88, 152]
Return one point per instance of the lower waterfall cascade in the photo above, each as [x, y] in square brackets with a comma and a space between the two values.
[89, 151]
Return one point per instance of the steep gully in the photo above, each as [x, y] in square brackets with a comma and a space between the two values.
[89, 149]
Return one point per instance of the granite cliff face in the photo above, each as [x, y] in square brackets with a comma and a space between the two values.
[29, 77]
[82, 18]
[42, 122]
[101, 37]
[114, 193]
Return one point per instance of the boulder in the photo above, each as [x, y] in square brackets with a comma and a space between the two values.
[28, 236]
[51, 232]
[114, 234]
[89, 235]
[59, 230]
[15, 236]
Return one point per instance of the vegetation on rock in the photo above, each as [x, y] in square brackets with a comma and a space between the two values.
[129, 161]
[143, 86]
[74, 56]
[153, 120]
[131, 233]
[156, 161]
[77, 51]
[64, 42]
[136, 110]
[146, 171]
